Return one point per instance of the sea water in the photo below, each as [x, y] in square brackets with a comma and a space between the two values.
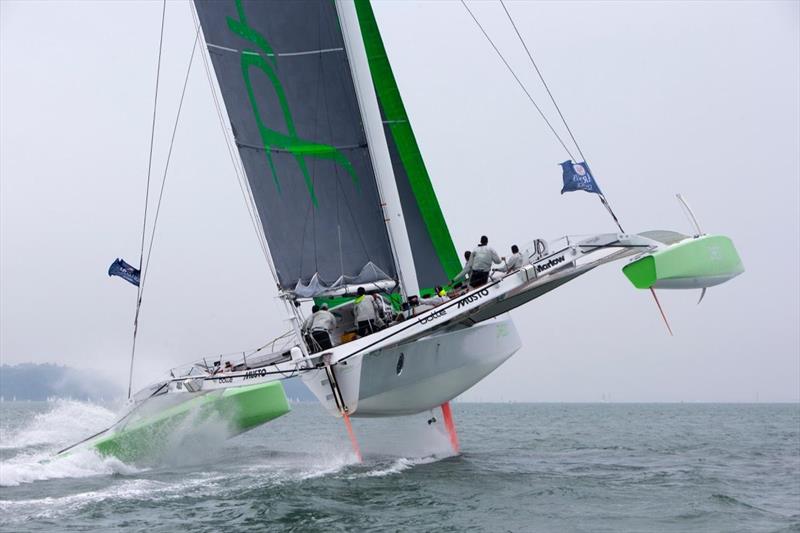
[522, 467]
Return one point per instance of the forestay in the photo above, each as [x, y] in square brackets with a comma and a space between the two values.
[287, 86]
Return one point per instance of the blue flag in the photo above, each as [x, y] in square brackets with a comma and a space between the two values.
[578, 177]
[125, 271]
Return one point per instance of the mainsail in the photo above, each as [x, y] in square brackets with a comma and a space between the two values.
[287, 86]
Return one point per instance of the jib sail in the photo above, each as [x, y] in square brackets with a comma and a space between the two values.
[435, 258]
[288, 89]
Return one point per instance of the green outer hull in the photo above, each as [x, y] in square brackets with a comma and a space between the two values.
[700, 262]
[238, 409]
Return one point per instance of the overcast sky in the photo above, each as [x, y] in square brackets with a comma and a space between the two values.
[701, 98]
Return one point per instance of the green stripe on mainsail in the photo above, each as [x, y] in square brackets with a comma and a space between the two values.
[395, 114]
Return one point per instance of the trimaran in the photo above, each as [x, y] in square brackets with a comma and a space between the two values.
[341, 199]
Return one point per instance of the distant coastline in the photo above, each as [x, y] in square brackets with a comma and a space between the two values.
[40, 382]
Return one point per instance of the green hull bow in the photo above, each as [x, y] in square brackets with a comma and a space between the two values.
[147, 435]
[695, 263]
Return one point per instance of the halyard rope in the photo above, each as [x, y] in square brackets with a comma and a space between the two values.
[519, 82]
[143, 271]
[147, 195]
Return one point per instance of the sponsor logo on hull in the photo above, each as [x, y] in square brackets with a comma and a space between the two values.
[466, 300]
[253, 374]
[436, 315]
[550, 263]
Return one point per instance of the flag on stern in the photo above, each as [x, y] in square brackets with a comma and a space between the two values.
[578, 177]
[125, 271]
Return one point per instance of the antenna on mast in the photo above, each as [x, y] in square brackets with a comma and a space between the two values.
[693, 220]
[689, 213]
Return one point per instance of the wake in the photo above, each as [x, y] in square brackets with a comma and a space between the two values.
[33, 445]
[30, 449]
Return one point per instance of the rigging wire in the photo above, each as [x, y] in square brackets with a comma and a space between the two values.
[544, 83]
[244, 184]
[152, 134]
[147, 194]
[145, 270]
[241, 177]
[235, 161]
[519, 82]
[602, 197]
[166, 165]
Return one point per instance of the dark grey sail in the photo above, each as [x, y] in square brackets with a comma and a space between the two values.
[287, 86]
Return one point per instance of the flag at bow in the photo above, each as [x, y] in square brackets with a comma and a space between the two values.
[125, 271]
[578, 177]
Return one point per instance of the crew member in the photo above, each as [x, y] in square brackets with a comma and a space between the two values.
[322, 324]
[464, 271]
[307, 322]
[480, 263]
[464, 274]
[514, 261]
[365, 313]
[439, 298]
[306, 327]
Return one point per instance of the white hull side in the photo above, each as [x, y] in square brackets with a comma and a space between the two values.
[348, 375]
[435, 369]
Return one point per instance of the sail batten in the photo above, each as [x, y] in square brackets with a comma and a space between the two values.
[299, 148]
[274, 54]
[291, 101]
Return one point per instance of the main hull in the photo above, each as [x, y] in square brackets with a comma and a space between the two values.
[433, 370]
[419, 375]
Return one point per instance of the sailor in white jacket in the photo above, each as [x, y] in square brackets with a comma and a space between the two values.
[323, 322]
[366, 313]
[480, 263]
[306, 327]
[464, 274]
[514, 261]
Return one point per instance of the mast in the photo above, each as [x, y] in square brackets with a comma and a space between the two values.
[373, 127]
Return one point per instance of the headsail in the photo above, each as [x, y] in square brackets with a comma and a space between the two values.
[288, 89]
[435, 258]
